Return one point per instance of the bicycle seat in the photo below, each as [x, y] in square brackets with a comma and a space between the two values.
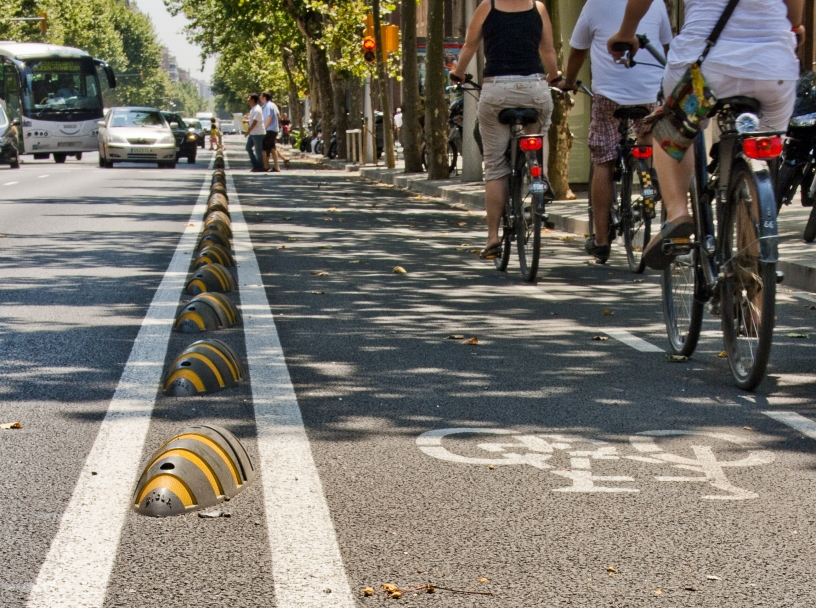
[632, 113]
[739, 104]
[515, 116]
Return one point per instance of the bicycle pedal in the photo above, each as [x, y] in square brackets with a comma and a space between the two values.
[677, 247]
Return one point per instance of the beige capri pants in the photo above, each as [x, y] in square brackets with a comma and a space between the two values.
[498, 93]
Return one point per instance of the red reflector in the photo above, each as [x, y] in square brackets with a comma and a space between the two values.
[369, 44]
[535, 171]
[762, 148]
[529, 144]
[641, 152]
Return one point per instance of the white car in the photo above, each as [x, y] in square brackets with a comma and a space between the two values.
[136, 135]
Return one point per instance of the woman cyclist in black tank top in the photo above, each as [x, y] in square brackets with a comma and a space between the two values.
[519, 52]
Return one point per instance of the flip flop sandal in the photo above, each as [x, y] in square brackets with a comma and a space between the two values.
[491, 252]
[653, 255]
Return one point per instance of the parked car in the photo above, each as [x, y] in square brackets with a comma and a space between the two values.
[186, 141]
[195, 125]
[136, 135]
[9, 140]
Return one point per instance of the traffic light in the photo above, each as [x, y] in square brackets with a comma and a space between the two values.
[369, 48]
[43, 23]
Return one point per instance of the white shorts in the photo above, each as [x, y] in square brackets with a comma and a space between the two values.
[775, 96]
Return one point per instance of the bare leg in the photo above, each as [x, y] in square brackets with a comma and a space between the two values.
[602, 195]
[266, 160]
[274, 156]
[674, 181]
[496, 192]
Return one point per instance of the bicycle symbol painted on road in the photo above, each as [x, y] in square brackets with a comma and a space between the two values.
[538, 450]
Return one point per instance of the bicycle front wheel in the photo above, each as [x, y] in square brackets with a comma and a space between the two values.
[636, 222]
[748, 293]
[528, 221]
[682, 312]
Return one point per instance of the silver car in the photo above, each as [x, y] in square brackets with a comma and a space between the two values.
[136, 135]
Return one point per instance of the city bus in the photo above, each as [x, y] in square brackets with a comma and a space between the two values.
[58, 95]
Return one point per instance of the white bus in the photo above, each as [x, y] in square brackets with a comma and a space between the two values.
[57, 94]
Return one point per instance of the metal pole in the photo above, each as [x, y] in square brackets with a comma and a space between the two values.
[471, 157]
[370, 127]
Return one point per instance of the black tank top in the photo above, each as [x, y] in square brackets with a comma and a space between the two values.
[511, 42]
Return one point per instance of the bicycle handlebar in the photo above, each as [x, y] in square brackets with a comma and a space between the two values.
[644, 43]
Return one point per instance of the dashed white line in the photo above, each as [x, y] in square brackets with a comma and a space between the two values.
[623, 336]
[806, 426]
[79, 562]
[42, 176]
[10, 183]
[306, 558]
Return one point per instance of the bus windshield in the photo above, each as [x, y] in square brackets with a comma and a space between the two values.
[61, 89]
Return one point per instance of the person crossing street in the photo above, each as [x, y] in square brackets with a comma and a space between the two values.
[255, 134]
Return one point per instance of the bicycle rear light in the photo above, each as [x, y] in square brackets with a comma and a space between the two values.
[528, 144]
[535, 171]
[642, 152]
[762, 148]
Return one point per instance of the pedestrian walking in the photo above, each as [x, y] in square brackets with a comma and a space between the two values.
[255, 134]
[398, 124]
[272, 125]
[286, 129]
[215, 134]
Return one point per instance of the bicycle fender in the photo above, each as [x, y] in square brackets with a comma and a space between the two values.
[768, 231]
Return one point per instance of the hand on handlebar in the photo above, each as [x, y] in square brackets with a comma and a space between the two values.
[455, 78]
[618, 45]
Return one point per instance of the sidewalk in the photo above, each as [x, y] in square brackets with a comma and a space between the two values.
[797, 259]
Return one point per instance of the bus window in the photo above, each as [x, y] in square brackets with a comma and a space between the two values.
[109, 99]
[11, 91]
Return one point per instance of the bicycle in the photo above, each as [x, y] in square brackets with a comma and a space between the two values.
[731, 259]
[530, 191]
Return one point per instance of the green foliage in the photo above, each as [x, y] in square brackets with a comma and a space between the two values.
[184, 99]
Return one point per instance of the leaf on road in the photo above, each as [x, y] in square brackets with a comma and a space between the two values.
[676, 358]
[354, 262]
[368, 591]
[389, 588]
[566, 239]
[462, 224]
[723, 355]
[481, 580]
[475, 251]
[712, 577]
[332, 209]
[600, 338]
[10, 426]
[324, 247]
[748, 428]
[213, 514]
[798, 336]
[456, 337]
[282, 247]
[491, 467]
[640, 280]
[293, 238]
[608, 313]
[612, 569]
[658, 592]
[399, 270]
[287, 218]
[473, 340]
[318, 293]
[319, 273]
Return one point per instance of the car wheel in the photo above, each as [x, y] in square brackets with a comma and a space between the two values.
[171, 165]
[59, 157]
[191, 159]
[79, 156]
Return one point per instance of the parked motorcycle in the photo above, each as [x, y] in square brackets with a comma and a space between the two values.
[798, 162]
[333, 145]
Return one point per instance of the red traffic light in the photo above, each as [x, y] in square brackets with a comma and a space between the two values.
[369, 44]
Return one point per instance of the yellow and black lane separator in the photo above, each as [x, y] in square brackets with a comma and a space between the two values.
[218, 163]
[218, 202]
[220, 176]
[209, 278]
[213, 254]
[197, 469]
[214, 234]
[218, 217]
[219, 188]
[206, 366]
[207, 312]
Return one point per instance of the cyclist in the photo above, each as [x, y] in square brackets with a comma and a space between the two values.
[518, 46]
[614, 87]
[755, 56]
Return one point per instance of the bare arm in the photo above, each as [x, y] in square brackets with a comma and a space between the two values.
[547, 49]
[796, 11]
[635, 11]
[472, 41]
[576, 60]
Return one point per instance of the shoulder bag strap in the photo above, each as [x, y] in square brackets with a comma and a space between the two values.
[718, 29]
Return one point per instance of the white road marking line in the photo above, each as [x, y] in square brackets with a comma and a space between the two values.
[42, 176]
[806, 426]
[621, 335]
[80, 559]
[10, 183]
[306, 558]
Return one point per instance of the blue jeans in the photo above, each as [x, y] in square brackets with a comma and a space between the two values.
[254, 148]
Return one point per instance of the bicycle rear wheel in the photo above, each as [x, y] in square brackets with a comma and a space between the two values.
[682, 312]
[748, 293]
[528, 222]
[635, 220]
[506, 234]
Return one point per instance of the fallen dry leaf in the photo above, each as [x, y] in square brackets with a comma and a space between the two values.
[354, 262]
[611, 569]
[319, 273]
[332, 209]
[11, 425]
[293, 238]
[481, 580]
[368, 591]
[608, 313]
[712, 577]
[324, 247]
[566, 239]
[287, 218]
[396, 595]
[462, 224]
[399, 270]
[456, 337]
[600, 338]
[748, 428]
[723, 355]
[473, 340]
[798, 336]
[658, 592]
[389, 588]
[676, 358]
[640, 280]
[491, 467]
[318, 293]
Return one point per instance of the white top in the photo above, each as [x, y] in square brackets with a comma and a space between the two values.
[270, 107]
[256, 113]
[756, 44]
[600, 19]
[398, 120]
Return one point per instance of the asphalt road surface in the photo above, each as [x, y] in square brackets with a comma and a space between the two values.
[559, 460]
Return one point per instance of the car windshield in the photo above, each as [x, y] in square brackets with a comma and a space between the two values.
[194, 123]
[137, 118]
[175, 118]
[3, 118]
[61, 86]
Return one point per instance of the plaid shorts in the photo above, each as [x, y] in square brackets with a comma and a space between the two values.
[603, 128]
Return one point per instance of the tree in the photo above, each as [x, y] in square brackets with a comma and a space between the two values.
[411, 139]
[560, 136]
[436, 111]
[382, 75]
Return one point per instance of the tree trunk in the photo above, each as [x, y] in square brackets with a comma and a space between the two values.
[340, 113]
[436, 107]
[356, 104]
[320, 65]
[560, 137]
[411, 130]
[296, 113]
[382, 77]
[314, 89]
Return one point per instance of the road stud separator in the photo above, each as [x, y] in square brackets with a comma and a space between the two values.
[219, 218]
[218, 163]
[213, 254]
[219, 188]
[219, 176]
[207, 312]
[211, 278]
[218, 202]
[214, 235]
[204, 367]
[199, 468]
